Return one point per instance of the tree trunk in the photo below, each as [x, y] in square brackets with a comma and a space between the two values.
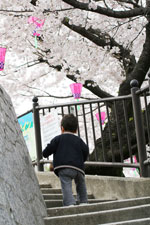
[139, 73]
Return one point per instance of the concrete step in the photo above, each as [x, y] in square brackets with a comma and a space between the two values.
[59, 203]
[102, 212]
[45, 185]
[109, 205]
[101, 217]
[145, 221]
[60, 196]
[51, 190]
[98, 212]
[52, 196]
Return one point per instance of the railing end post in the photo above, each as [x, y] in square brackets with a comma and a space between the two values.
[37, 131]
[134, 83]
[139, 127]
[149, 81]
[35, 99]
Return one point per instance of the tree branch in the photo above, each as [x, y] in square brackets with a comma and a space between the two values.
[92, 86]
[53, 96]
[23, 12]
[47, 93]
[33, 2]
[141, 11]
[141, 67]
[104, 39]
[135, 4]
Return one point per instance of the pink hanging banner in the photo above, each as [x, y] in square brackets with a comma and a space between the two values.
[2, 58]
[76, 89]
[102, 117]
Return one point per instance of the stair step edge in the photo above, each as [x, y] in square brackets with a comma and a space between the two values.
[129, 222]
[100, 212]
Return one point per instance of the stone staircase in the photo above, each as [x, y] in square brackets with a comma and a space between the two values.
[53, 196]
[98, 211]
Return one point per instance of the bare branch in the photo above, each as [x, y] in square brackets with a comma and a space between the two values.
[21, 13]
[138, 34]
[54, 96]
[47, 94]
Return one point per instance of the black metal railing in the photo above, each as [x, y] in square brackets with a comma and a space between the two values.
[125, 131]
[142, 124]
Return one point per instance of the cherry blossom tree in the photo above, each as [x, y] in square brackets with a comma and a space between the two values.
[102, 43]
[113, 35]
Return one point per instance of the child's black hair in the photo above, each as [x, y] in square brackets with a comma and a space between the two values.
[69, 123]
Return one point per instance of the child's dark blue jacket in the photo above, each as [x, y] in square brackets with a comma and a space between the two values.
[68, 150]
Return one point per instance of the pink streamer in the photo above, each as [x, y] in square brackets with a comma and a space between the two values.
[33, 19]
[36, 21]
[103, 114]
[2, 58]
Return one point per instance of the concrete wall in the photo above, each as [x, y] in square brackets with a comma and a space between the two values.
[105, 187]
[21, 201]
[118, 187]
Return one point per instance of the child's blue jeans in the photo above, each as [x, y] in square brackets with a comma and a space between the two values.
[66, 176]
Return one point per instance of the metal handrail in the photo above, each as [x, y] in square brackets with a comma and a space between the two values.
[135, 95]
[83, 102]
[101, 164]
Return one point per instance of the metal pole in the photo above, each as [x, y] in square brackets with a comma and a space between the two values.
[37, 130]
[149, 81]
[139, 128]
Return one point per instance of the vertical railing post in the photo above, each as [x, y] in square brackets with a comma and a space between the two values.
[149, 81]
[38, 142]
[139, 128]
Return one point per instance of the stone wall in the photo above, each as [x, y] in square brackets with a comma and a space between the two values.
[21, 202]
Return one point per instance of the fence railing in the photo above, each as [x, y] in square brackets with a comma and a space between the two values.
[124, 132]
